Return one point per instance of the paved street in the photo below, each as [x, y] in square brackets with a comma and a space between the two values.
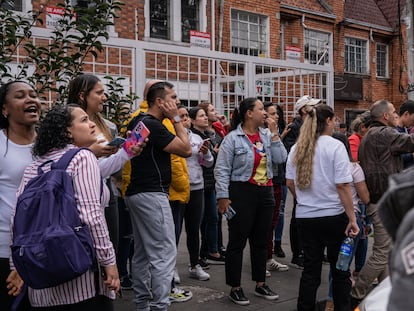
[212, 294]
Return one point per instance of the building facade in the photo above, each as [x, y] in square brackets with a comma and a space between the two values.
[348, 53]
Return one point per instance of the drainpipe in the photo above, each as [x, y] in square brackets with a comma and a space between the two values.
[220, 37]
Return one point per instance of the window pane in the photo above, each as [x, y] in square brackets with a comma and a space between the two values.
[355, 55]
[381, 60]
[160, 19]
[189, 18]
[248, 33]
[316, 47]
[15, 5]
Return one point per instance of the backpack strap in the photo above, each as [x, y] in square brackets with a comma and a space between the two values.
[64, 161]
[66, 158]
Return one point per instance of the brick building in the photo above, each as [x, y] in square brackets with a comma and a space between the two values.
[348, 53]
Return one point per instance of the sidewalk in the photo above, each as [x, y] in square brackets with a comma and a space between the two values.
[212, 295]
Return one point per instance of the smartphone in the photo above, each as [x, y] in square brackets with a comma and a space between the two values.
[230, 213]
[138, 135]
[140, 132]
[117, 141]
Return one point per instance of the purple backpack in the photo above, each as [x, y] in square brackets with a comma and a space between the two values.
[50, 244]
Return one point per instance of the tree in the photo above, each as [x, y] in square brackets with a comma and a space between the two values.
[78, 34]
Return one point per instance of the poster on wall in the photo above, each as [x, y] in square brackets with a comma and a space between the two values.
[200, 39]
[293, 53]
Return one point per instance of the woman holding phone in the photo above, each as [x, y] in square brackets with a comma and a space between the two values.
[243, 175]
[200, 157]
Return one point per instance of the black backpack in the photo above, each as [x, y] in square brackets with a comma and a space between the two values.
[50, 244]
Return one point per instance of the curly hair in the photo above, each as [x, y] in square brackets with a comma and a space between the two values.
[53, 130]
[313, 126]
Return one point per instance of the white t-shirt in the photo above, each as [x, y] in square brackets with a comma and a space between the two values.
[331, 166]
[13, 160]
[357, 176]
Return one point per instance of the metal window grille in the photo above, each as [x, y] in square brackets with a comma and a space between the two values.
[160, 19]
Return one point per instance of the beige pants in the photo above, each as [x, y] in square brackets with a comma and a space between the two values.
[377, 264]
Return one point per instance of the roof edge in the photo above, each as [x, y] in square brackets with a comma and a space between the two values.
[294, 8]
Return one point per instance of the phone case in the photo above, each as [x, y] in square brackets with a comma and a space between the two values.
[138, 135]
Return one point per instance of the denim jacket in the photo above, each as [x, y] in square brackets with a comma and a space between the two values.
[235, 159]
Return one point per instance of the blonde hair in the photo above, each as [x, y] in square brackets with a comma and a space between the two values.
[313, 126]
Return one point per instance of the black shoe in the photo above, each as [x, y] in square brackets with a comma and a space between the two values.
[203, 263]
[297, 262]
[278, 251]
[221, 260]
[126, 283]
[265, 292]
[355, 302]
[222, 251]
[237, 296]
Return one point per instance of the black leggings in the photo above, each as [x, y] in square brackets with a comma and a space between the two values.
[193, 215]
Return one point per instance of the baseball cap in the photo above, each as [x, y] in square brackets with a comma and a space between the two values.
[304, 101]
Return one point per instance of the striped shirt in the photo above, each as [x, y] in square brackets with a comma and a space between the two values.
[85, 174]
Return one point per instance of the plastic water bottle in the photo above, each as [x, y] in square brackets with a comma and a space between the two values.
[345, 254]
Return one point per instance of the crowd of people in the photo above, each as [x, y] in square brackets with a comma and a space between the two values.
[194, 167]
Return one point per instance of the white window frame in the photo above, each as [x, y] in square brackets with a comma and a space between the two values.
[321, 48]
[363, 58]
[377, 60]
[264, 24]
[175, 20]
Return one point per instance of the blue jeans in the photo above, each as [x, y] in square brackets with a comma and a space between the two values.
[209, 230]
[281, 222]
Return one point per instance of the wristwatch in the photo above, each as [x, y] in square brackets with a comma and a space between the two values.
[176, 119]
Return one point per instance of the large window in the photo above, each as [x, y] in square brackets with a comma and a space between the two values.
[160, 19]
[382, 60]
[248, 33]
[189, 18]
[316, 47]
[356, 56]
[173, 19]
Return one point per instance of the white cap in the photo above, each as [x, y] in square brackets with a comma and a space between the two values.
[306, 101]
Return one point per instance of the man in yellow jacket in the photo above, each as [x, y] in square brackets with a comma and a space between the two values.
[179, 191]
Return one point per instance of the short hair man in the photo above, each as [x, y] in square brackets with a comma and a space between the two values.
[147, 199]
[405, 122]
[380, 156]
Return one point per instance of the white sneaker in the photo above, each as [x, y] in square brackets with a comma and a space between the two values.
[198, 273]
[273, 265]
[268, 273]
[177, 279]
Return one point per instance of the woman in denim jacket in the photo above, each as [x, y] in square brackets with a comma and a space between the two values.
[243, 175]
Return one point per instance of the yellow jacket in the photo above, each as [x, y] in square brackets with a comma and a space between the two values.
[180, 183]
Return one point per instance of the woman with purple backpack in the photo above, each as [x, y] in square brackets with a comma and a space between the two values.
[63, 128]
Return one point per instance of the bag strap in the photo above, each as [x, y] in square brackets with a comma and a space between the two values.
[64, 161]
[67, 157]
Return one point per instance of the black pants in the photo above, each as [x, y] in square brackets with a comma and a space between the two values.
[295, 244]
[193, 216]
[6, 301]
[316, 234]
[254, 206]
